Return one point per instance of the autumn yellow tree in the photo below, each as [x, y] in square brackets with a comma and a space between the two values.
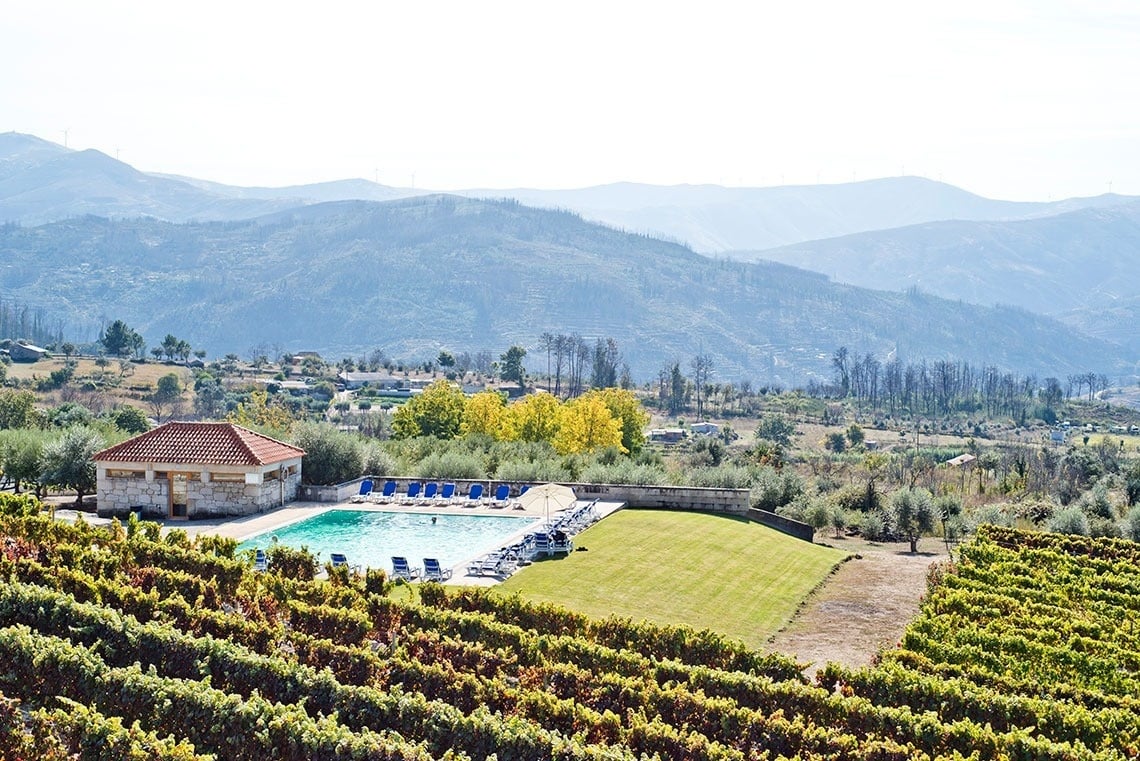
[260, 413]
[533, 418]
[586, 425]
[484, 413]
[438, 412]
[627, 410]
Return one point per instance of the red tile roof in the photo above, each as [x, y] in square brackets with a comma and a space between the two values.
[201, 444]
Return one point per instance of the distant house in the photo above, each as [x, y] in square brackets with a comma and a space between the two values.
[382, 380]
[704, 429]
[961, 461]
[666, 435]
[25, 352]
[197, 470]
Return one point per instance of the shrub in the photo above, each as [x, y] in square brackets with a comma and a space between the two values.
[377, 461]
[624, 472]
[1070, 520]
[331, 456]
[874, 527]
[772, 488]
[531, 470]
[722, 477]
[376, 582]
[451, 465]
[1131, 527]
[292, 563]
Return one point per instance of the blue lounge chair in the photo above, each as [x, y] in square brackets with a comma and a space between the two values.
[474, 496]
[387, 494]
[502, 496]
[541, 545]
[412, 494]
[429, 493]
[365, 491]
[560, 542]
[401, 569]
[339, 560]
[260, 561]
[434, 572]
[446, 494]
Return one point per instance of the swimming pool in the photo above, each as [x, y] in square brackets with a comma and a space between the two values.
[370, 538]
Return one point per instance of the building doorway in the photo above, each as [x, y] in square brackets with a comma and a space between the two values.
[179, 499]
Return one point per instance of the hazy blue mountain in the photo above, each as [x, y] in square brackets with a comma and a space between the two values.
[41, 181]
[299, 195]
[1065, 264]
[711, 218]
[416, 275]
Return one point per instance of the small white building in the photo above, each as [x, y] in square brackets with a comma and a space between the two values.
[20, 352]
[197, 470]
[704, 429]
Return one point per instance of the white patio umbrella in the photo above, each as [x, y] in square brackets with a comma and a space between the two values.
[551, 496]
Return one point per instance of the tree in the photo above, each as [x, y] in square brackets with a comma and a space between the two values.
[438, 412]
[22, 457]
[586, 425]
[702, 368]
[912, 513]
[533, 418]
[511, 366]
[170, 346]
[484, 414]
[130, 419]
[209, 396]
[68, 463]
[607, 358]
[331, 456]
[16, 408]
[835, 442]
[776, 428]
[120, 340]
[259, 412]
[67, 348]
[855, 435]
[167, 393]
[445, 359]
[627, 410]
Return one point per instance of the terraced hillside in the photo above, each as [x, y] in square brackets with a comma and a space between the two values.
[190, 643]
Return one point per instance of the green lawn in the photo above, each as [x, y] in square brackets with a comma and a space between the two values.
[722, 573]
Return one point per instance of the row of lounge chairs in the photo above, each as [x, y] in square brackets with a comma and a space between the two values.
[418, 493]
[431, 571]
[553, 537]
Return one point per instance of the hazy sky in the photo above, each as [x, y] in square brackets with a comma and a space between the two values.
[1023, 100]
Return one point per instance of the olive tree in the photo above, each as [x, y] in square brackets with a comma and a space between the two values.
[68, 463]
[912, 513]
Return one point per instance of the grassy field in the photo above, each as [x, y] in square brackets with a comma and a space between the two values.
[722, 573]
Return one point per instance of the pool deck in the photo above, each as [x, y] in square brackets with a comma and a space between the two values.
[252, 525]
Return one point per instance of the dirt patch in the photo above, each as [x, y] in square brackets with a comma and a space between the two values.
[861, 608]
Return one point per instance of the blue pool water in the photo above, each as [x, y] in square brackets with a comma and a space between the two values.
[370, 538]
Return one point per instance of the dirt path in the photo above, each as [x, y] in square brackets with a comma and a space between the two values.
[863, 607]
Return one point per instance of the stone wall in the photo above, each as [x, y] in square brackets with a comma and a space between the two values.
[117, 496]
[206, 498]
[780, 523]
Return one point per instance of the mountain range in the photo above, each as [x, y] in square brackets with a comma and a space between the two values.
[408, 272]
[41, 181]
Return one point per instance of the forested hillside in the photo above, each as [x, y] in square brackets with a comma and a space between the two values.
[417, 275]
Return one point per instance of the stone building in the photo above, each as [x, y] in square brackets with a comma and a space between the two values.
[197, 470]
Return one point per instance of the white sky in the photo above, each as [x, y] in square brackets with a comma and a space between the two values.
[1024, 100]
